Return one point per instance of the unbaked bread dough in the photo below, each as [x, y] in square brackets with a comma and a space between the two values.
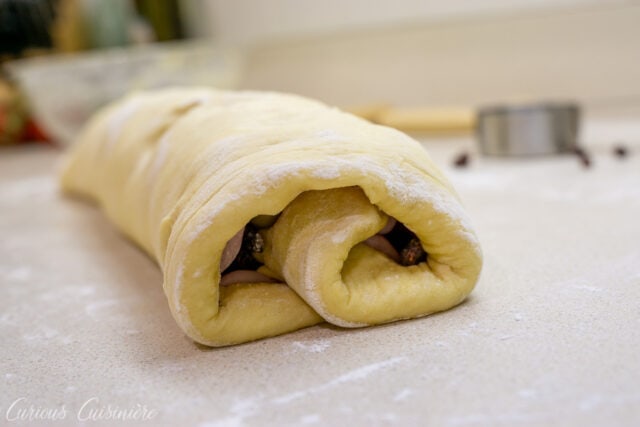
[186, 173]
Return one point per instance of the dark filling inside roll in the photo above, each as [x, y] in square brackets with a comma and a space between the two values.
[399, 243]
[252, 244]
[240, 261]
[240, 257]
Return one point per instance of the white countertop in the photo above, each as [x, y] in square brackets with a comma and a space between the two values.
[550, 336]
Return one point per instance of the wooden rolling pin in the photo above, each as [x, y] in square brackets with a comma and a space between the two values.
[422, 120]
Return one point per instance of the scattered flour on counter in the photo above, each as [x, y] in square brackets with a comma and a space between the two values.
[588, 288]
[224, 422]
[480, 181]
[41, 187]
[19, 274]
[170, 368]
[41, 334]
[95, 308]
[570, 286]
[542, 417]
[402, 394]
[310, 419]
[623, 194]
[355, 375]
[8, 319]
[84, 290]
[313, 347]
[554, 194]
[528, 393]
[591, 403]
[240, 410]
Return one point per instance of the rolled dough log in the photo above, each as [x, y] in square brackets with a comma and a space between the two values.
[182, 171]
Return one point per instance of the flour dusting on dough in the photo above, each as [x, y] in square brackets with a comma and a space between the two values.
[119, 118]
[329, 171]
[177, 290]
[162, 149]
[338, 238]
[331, 135]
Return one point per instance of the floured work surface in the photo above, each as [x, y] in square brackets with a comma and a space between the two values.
[549, 336]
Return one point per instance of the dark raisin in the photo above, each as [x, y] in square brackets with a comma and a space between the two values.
[583, 156]
[620, 151]
[407, 244]
[399, 236]
[413, 253]
[461, 160]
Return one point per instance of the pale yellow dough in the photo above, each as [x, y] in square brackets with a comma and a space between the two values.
[181, 171]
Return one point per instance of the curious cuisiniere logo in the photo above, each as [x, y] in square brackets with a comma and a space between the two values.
[92, 409]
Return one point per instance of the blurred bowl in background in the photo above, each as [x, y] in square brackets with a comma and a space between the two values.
[65, 90]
